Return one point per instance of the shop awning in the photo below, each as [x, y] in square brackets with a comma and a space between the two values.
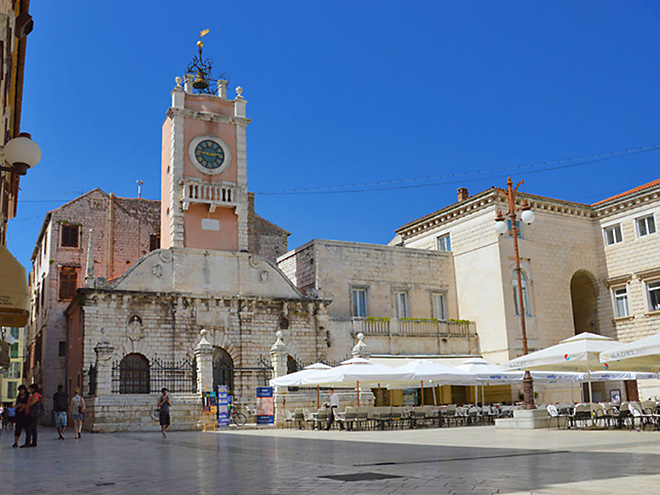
[14, 294]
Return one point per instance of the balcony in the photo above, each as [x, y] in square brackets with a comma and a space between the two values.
[223, 194]
[413, 327]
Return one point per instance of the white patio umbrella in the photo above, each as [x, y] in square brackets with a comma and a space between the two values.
[578, 354]
[487, 373]
[356, 370]
[296, 379]
[425, 370]
[641, 355]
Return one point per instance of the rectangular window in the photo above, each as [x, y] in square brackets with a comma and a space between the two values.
[359, 297]
[444, 243]
[401, 304]
[653, 289]
[621, 302]
[13, 350]
[645, 226]
[61, 351]
[154, 242]
[14, 370]
[518, 228]
[12, 389]
[68, 282]
[613, 234]
[439, 306]
[15, 332]
[70, 235]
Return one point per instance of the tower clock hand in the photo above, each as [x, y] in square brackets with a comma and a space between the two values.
[209, 153]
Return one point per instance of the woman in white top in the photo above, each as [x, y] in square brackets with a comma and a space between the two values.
[76, 411]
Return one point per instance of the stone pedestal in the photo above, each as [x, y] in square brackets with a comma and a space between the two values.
[525, 419]
[104, 350]
[204, 364]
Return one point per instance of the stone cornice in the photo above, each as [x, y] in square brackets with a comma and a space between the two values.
[492, 197]
[207, 116]
[627, 202]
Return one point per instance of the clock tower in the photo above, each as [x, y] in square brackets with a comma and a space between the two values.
[204, 169]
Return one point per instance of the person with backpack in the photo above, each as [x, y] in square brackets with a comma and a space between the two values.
[60, 406]
[34, 409]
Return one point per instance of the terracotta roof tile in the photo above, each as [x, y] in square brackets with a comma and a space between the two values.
[648, 185]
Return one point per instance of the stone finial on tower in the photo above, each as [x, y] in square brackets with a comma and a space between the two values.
[360, 350]
[89, 273]
[222, 88]
[239, 103]
[188, 85]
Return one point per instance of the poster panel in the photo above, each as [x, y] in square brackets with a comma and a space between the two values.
[265, 406]
[223, 405]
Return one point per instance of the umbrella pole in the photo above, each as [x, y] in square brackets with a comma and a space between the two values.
[422, 394]
[379, 396]
[591, 396]
[358, 393]
[435, 402]
[483, 395]
[318, 397]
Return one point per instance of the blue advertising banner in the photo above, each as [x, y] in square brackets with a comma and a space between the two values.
[265, 406]
[223, 405]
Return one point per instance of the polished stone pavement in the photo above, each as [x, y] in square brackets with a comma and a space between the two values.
[475, 460]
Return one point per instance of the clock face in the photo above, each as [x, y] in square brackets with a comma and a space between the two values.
[209, 154]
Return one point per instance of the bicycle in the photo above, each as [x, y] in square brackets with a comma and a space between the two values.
[238, 418]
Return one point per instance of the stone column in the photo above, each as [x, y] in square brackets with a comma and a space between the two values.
[204, 363]
[104, 350]
[360, 350]
[278, 358]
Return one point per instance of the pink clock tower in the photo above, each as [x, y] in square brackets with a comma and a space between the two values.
[204, 170]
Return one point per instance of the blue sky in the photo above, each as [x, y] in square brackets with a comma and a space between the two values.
[348, 92]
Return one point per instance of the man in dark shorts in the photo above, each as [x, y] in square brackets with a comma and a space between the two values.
[60, 406]
[164, 404]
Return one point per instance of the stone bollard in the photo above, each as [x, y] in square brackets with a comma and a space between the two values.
[204, 363]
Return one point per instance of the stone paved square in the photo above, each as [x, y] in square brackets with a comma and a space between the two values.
[450, 461]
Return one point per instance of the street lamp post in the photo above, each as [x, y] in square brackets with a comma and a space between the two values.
[527, 216]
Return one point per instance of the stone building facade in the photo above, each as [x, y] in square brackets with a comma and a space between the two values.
[403, 300]
[214, 275]
[580, 263]
[121, 231]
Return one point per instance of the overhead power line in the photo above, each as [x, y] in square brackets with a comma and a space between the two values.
[413, 182]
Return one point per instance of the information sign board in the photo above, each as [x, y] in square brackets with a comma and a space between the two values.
[265, 406]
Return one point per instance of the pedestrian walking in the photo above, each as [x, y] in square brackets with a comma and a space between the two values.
[4, 416]
[20, 418]
[334, 409]
[35, 409]
[77, 411]
[164, 404]
[60, 406]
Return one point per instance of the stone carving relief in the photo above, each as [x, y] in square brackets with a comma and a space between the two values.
[254, 261]
[157, 270]
[165, 256]
[263, 276]
[135, 329]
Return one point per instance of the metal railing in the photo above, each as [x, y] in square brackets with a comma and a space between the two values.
[179, 377]
[413, 327]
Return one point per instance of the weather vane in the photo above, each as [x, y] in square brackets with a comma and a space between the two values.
[202, 68]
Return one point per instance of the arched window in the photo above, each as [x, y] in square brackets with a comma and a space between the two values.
[223, 369]
[134, 375]
[525, 293]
